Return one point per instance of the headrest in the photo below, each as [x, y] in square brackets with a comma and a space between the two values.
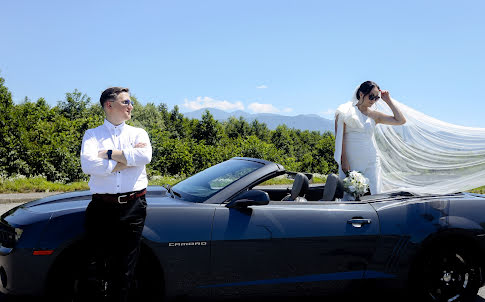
[300, 185]
[334, 188]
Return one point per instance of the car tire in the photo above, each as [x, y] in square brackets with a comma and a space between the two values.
[447, 272]
[72, 278]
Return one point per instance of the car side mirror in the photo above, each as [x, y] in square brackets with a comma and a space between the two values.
[249, 198]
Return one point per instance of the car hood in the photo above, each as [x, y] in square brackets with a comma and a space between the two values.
[56, 207]
[80, 197]
[61, 204]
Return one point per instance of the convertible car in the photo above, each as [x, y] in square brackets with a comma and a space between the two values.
[223, 233]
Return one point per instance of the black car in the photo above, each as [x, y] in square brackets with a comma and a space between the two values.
[220, 233]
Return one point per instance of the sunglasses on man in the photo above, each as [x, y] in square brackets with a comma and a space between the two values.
[128, 102]
[125, 102]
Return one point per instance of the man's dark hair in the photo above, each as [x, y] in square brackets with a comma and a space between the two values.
[366, 88]
[111, 93]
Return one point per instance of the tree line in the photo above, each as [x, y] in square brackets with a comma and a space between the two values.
[39, 139]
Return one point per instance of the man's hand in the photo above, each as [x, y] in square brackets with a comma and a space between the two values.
[103, 154]
[118, 155]
[119, 167]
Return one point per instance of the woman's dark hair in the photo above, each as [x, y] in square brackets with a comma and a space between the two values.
[366, 88]
[111, 93]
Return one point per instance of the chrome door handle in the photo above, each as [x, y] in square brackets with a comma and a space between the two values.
[358, 222]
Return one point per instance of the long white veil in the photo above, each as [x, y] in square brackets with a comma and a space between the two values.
[426, 155]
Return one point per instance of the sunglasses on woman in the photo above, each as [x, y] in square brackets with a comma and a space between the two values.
[374, 97]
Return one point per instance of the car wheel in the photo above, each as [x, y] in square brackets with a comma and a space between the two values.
[74, 278]
[447, 273]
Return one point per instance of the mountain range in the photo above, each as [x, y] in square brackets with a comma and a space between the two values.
[310, 122]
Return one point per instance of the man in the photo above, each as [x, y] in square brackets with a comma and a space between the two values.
[114, 155]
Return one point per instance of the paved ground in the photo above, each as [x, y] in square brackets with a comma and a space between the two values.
[9, 202]
[23, 197]
[4, 207]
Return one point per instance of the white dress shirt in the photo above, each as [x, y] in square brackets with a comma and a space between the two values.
[109, 137]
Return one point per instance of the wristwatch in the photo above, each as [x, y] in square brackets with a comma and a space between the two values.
[109, 153]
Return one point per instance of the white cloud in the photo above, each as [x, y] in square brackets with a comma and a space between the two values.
[288, 110]
[207, 102]
[328, 112]
[262, 87]
[262, 108]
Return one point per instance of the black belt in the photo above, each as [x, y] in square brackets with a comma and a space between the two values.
[121, 198]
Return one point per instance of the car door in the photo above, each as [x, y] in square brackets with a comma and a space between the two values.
[290, 248]
[246, 250]
[179, 234]
[329, 243]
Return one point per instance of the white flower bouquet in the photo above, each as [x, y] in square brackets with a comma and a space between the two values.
[356, 184]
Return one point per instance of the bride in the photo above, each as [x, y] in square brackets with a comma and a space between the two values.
[355, 123]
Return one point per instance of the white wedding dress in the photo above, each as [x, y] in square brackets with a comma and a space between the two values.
[361, 151]
[360, 144]
[423, 156]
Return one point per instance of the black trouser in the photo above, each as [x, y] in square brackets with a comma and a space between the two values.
[114, 234]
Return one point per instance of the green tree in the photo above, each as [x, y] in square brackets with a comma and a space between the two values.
[323, 155]
[164, 113]
[8, 128]
[177, 124]
[34, 130]
[171, 156]
[146, 117]
[208, 129]
[283, 140]
[260, 130]
[74, 106]
[205, 156]
[237, 127]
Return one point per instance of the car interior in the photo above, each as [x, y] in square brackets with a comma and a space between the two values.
[301, 190]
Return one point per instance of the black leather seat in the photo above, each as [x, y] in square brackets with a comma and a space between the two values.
[299, 188]
[334, 188]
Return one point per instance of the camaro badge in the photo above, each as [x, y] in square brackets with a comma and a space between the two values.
[199, 243]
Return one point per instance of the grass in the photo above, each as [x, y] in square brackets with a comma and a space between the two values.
[21, 184]
[283, 180]
[165, 180]
[480, 190]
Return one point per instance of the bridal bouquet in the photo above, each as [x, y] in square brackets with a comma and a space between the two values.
[356, 184]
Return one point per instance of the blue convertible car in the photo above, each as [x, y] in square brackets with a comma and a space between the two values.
[220, 233]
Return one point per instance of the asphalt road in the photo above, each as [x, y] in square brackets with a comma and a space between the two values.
[7, 206]
[4, 207]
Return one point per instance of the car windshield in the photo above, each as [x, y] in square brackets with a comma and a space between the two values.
[205, 184]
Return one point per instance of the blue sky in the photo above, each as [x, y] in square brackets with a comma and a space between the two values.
[287, 57]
